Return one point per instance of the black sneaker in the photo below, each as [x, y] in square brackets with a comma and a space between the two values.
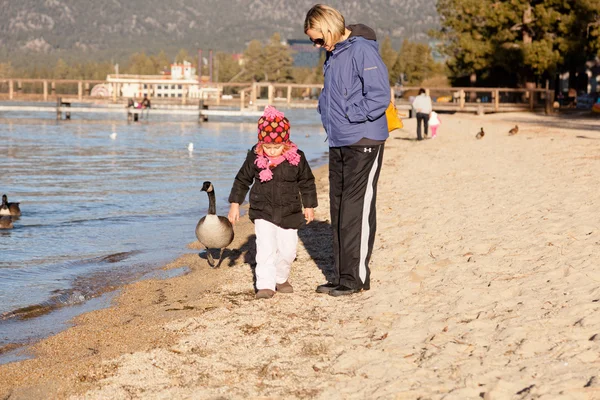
[326, 287]
[342, 291]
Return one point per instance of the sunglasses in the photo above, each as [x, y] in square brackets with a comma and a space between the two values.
[318, 42]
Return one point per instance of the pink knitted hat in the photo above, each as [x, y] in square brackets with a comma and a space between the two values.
[273, 127]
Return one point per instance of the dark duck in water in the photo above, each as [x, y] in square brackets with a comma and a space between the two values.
[9, 208]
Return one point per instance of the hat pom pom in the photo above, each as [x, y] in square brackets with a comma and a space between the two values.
[271, 113]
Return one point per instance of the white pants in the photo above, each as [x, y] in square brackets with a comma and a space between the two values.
[275, 252]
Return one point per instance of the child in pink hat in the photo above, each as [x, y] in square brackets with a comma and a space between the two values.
[282, 184]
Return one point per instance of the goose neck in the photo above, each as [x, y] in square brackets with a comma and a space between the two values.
[212, 204]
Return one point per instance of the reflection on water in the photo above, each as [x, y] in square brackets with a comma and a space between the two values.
[99, 212]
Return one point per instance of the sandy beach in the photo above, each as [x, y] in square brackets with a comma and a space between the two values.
[485, 284]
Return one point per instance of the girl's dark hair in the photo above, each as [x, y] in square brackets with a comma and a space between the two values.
[421, 91]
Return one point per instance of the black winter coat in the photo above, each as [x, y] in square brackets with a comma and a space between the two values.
[279, 200]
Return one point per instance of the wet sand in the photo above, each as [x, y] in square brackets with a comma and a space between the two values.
[485, 284]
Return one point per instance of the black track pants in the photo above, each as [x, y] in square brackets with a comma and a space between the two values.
[353, 175]
[422, 118]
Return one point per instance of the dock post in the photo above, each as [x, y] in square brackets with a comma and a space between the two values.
[496, 100]
[53, 86]
[80, 90]
[58, 112]
[242, 99]
[271, 91]
[45, 90]
[219, 94]
[531, 99]
[461, 96]
[19, 87]
[202, 117]
[289, 95]
[549, 102]
[253, 96]
[11, 89]
[87, 89]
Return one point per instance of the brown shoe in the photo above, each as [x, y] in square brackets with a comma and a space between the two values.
[265, 294]
[284, 287]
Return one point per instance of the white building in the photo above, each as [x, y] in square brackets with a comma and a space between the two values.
[182, 82]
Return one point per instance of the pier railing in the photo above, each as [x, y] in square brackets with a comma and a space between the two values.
[254, 95]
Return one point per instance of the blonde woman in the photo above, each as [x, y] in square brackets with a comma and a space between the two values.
[352, 105]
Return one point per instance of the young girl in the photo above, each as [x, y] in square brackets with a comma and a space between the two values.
[282, 183]
[434, 123]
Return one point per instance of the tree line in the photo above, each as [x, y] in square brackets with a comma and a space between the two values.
[273, 61]
[517, 42]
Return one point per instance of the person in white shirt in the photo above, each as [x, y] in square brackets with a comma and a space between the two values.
[423, 107]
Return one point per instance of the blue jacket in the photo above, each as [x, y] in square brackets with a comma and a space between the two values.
[356, 93]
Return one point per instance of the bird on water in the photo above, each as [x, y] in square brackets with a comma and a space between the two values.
[213, 231]
[7, 208]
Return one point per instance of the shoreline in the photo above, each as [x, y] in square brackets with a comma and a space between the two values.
[484, 284]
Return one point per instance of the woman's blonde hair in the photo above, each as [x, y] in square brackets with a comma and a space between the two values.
[325, 19]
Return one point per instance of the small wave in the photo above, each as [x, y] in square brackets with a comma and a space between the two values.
[63, 299]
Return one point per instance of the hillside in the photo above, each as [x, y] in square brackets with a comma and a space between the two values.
[80, 29]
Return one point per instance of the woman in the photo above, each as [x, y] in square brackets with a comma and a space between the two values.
[352, 105]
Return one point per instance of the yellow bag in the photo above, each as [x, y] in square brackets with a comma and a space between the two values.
[391, 114]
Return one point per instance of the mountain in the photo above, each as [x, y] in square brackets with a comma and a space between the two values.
[114, 29]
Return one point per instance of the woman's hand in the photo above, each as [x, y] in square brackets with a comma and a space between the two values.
[309, 214]
[234, 213]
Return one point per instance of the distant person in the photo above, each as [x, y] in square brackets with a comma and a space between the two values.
[146, 102]
[434, 123]
[282, 184]
[423, 107]
[352, 105]
[146, 105]
[131, 115]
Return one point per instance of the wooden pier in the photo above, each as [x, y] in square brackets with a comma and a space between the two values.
[239, 99]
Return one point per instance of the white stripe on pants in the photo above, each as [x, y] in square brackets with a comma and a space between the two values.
[275, 252]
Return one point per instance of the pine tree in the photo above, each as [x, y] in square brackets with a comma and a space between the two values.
[414, 63]
[278, 61]
[253, 62]
[528, 39]
[389, 56]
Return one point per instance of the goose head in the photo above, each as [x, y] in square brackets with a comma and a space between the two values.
[207, 187]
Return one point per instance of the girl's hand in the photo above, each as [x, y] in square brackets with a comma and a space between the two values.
[234, 213]
[309, 214]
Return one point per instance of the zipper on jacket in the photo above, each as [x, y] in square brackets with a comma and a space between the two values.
[329, 98]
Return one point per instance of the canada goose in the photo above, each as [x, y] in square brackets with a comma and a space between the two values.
[514, 130]
[9, 208]
[213, 231]
[6, 222]
[480, 134]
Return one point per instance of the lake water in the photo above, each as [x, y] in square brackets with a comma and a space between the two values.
[100, 212]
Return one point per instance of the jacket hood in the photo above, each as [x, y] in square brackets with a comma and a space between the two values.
[363, 31]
